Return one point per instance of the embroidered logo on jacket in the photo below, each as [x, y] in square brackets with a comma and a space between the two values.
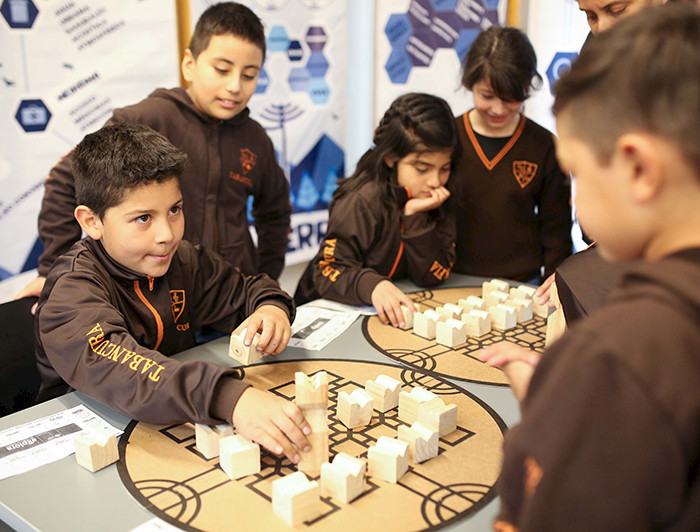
[247, 159]
[524, 172]
[177, 301]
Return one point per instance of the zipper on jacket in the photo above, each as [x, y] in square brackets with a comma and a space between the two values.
[159, 321]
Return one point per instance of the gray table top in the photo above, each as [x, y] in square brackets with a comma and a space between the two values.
[61, 495]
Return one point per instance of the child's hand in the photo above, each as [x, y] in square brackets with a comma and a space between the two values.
[33, 289]
[387, 299]
[438, 196]
[543, 292]
[273, 325]
[273, 422]
[501, 353]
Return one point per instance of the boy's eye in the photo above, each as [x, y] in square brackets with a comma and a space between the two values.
[144, 218]
[221, 70]
[249, 77]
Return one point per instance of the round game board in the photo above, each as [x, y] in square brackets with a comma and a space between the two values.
[458, 363]
[163, 470]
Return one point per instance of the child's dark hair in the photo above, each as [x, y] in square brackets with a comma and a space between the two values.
[506, 59]
[223, 19]
[119, 158]
[415, 122]
[643, 75]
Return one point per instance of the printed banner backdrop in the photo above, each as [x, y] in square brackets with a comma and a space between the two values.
[300, 100]
[420, 45]
[557, 30]
[64, 65]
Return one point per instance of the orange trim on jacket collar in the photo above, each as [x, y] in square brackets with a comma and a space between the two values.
[490, 164]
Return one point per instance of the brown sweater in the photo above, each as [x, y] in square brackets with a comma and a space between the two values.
[610, 432]
[513, 212]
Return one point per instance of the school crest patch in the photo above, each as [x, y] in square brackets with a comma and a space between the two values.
[177, 302]
[524, 172]
[247, 159]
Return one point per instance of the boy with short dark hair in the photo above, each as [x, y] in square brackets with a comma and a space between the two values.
[130, 294]
[231, 156]
[610, 430]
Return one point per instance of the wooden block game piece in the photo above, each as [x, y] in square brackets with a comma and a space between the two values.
[355, 409]
[472, 303]
[424, 323]
[543, 311]
[450, 311]
[207, 438]
[388, 460]
[311, 394]
[422, 441]
[384, 392]
[478, 323]
[238, 456]
[494, 284]
[296, 499]
[523, 291]
[495, 297]
[241, 352]
[436, 415]
[344, 478]
[407, 318]
[503, 317]
[409, 402]
[524, 307]
[95, 449]
[451, 333]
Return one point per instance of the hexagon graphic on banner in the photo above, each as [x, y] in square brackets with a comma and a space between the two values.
[429, 25]
[263, 82]
[33, 115]
[19, 14]
[316, 38]
[561, 62]
[295, 51]
[277, 39]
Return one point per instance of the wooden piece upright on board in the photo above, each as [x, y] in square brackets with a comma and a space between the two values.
[494, 284]
[436, 415]
[237, 350]
[207, 438]
[355, 409]
[388, 459]
[409, 403]
[424, 323]
[311, 394]
[238, 456]
[407, 318]
[423, 442]
[344, 478]
[384, 391]
[478, 323]
[96, 449]
[503, 317]
[296, 499]
[452, 332]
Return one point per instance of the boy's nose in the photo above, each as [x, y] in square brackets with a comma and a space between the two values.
[165, 233]
[233, 83]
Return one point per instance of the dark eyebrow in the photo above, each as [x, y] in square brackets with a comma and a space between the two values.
[229, 62]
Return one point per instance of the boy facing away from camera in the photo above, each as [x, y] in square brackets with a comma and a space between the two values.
[231, 158]
[610, 430]
[131, 293]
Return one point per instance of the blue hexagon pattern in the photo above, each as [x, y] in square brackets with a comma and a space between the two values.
[19, 14]
[561, 62]
[33, 115]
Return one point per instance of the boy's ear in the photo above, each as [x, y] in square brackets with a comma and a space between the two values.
[389, 161]
[89, 221]
[647, 170]
[187, 66]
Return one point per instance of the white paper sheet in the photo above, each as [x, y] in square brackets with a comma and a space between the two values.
[319, 322]
[26, 447]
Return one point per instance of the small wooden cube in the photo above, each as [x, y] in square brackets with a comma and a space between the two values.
[354, 409]
[451, 333]
[388, 460]
[422, 441]
[407, 318]
[311, 390]
[523, 291]
[494, 284]
[436, 415]
[409, 402]
[241, 352]
[295, 499]
[495, 297]
[384, 392]
[238, 456]
[424, 323]
[503, 317]
[208, 437]
[96, 449]
[450, 311]
[472, 303]
[524, 307]
[543, 311]
[478, 323]
[344, 478]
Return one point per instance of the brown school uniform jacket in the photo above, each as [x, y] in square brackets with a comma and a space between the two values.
[499, 234]
[108, 332]
[610, 432]
[228, 162]
[365, 243]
